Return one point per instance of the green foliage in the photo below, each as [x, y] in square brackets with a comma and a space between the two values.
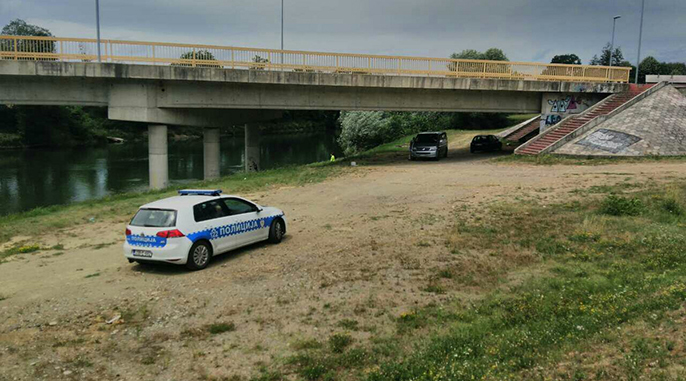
[201, 55]
[614, 205]
[492, 54]
[569, 59]
[19, 27]
[650, 65]
[259, 63]
[363, 130]
[218, 328]
[338, 342]
[604, 59]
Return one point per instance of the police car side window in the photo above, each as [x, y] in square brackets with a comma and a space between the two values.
[237, 206]
[209, 210]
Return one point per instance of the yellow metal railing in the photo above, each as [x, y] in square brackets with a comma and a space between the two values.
[84, 50]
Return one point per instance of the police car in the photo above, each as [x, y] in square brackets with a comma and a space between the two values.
[196, 225]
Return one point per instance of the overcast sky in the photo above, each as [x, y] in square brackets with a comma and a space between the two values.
[527, 30]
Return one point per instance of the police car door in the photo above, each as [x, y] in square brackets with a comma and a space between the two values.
[244, 220]
[210, 217]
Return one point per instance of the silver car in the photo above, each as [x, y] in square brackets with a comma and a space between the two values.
[430, 145]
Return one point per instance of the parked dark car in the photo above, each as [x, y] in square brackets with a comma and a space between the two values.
[485, 143]
[433, 145]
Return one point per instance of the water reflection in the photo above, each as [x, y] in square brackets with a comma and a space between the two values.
[33, 178]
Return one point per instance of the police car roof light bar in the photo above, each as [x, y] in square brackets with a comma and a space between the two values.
[200, 192]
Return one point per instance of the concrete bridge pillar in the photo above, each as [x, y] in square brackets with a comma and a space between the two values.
[157, 156]
[252, 148]
[211, 153]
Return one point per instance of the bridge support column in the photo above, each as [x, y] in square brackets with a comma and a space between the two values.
[157, 156]
[252, 148]
[211, 158]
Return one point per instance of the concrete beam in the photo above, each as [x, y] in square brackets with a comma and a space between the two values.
[218, 95]
[131, 72]
[211, 153]
[158, 158]
[214, 118]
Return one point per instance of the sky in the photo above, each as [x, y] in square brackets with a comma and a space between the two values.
[527, 30]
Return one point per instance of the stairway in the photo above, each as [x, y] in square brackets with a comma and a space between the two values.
[524, 131]
[567, 126]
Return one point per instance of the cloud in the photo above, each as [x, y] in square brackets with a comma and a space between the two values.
[527, 30]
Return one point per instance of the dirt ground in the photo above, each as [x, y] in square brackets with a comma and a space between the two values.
[361, 246]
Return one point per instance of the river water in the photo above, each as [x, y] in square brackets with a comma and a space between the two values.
[33, 178]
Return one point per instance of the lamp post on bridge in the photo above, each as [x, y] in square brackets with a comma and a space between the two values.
[281, 35]
[640, 37]
[97, 23]
[612, 44]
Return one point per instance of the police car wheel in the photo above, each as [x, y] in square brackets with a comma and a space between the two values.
[199, 256]
[276, 231]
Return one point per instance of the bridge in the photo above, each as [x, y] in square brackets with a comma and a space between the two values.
[212, 86]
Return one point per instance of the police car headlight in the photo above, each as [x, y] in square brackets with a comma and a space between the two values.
[432, 148]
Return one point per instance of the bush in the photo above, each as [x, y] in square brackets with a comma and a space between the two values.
[338, 342]
[614, 205]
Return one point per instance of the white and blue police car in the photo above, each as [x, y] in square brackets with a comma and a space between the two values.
[189, 229]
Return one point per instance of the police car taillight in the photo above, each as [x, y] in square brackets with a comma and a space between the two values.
[128, 231]
[170, 234]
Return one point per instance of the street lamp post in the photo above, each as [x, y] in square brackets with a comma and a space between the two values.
[640, 37]
[282, 35]
[612, 44]
[97, 22]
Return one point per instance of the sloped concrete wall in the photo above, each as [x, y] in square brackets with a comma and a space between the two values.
[654, 126]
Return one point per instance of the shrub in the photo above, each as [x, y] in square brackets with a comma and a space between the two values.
[221, 328]
[614, 205]
[339, 341]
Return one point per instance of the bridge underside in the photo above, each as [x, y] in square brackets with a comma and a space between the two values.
[213, 98]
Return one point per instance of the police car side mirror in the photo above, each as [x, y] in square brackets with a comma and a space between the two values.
[259, 210]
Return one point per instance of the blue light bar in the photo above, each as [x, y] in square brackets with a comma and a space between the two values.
[200, 192]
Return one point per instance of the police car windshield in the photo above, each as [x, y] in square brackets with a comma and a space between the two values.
[154, 218]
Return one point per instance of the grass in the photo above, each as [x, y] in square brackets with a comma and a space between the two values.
[218, 328]
[607, 289]
[92, 275]
[591, 161]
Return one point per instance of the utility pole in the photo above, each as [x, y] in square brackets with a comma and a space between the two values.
[282, 35]
[640, 37]
[97, 22]
[612, 44]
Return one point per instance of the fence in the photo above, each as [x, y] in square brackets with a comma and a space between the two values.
[154, 53]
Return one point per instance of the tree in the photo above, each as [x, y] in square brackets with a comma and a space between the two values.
[19, 27]
[201, 55]
[604, 59]
[495, 54]
[492, 54]
[569, 59]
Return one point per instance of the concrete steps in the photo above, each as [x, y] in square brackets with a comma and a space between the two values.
[519, 134]
[569, 125]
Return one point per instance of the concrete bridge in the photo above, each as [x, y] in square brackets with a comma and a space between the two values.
[200, 87]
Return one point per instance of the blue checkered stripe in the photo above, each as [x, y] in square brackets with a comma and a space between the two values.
[146, 241]
[233, 229]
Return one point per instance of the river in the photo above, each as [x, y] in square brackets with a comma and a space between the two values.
[34, 178]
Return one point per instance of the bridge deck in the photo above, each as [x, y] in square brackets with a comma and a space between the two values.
[153, 53]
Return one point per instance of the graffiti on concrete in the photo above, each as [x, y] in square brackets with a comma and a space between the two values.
[552, 119]
[609, 140]
[563, 105]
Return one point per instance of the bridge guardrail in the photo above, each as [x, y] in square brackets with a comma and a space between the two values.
[193, 55]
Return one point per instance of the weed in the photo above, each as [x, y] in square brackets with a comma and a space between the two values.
[92, 275]
[306, 344]
[338, 342]
[218, 328]
[57, 254]
[349, 324]
[614, 205]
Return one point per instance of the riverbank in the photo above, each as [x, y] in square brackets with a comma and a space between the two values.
[494, 269]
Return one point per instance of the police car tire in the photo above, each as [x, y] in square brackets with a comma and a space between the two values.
[276, 233]
[190, 264]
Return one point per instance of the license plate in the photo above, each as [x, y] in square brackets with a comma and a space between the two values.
[142, 253]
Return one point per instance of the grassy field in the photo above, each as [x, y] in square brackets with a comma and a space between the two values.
[581, 290]
[570, 160]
